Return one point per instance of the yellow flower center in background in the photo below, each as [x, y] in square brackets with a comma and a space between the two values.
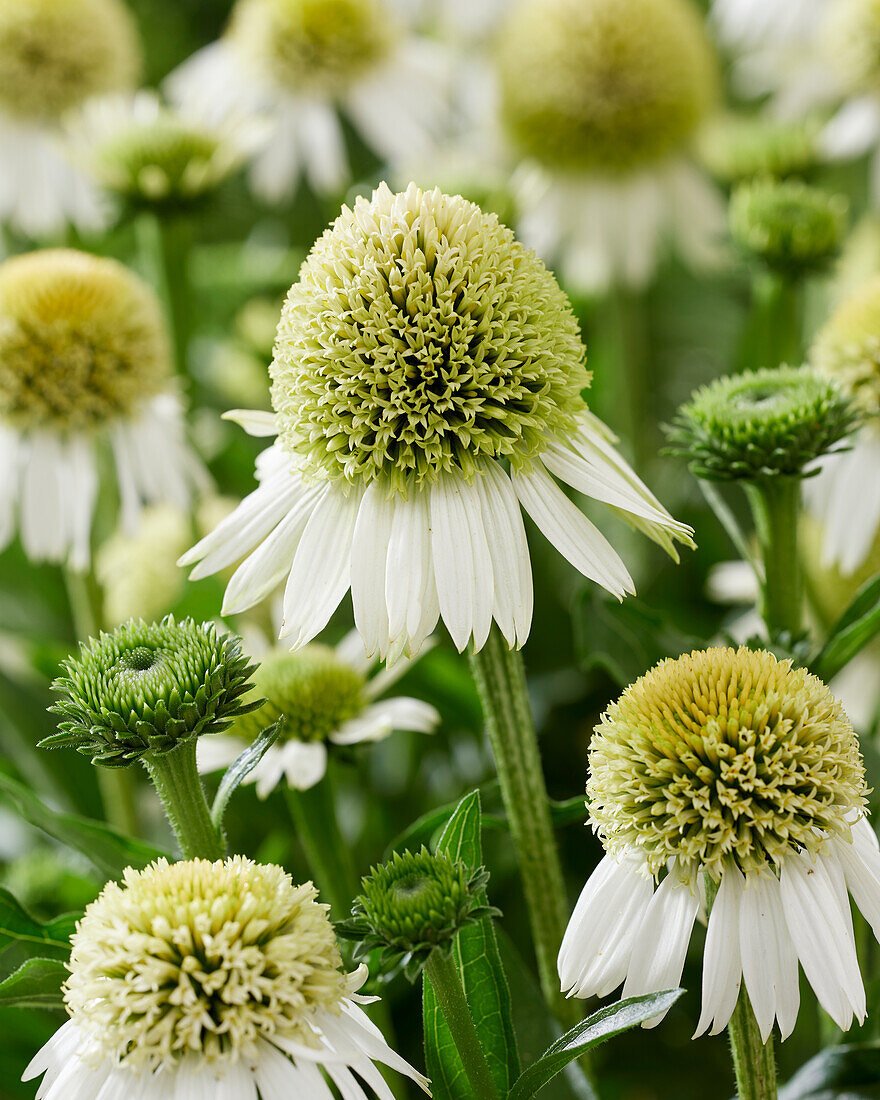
[848, 346]
[56, 53]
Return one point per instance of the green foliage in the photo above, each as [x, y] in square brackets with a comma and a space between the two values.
[36, 984]
[855, 629]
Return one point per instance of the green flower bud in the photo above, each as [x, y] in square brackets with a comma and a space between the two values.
[148, 687]
[415, 904]
[740, 147]
[788, 226]
[769, 423]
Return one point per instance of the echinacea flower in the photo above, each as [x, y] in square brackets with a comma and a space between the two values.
[303, 65]
[84, 362]
[427, 383]
[323, 695]
[602, 100]
[845, 495]
[727, 773]
[54, 56]
[221, 979]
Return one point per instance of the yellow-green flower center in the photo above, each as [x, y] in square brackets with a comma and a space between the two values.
[56, 53]
[312, 688]
[848, 346]
[723, 757]
[422, 337]
[601, 85]
[82, 340]
[201, 957]
[314, 45]
[852, 38]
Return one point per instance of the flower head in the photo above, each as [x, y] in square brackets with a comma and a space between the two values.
[599, 86]
[741, 147]
[221, 976]
[427, 380]
[147, 687]
[82, 341]
[415, 904]
[852, 41]
[55, 54]
[763, 424]
[322, 696]
[787, 225]
[313, 45]
[732, 768]
[848, 346]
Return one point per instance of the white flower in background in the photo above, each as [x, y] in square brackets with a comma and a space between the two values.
[324, 695]
[730, 769]
[603, 100]
[200, 979]
[54, 56]
[84, 362]
[845, 495]
[142, 150]
[426, 384]
[302, 65]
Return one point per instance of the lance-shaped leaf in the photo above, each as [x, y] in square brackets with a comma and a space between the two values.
[36, 984]
[851, 633]
[41, 937]
[241, 767]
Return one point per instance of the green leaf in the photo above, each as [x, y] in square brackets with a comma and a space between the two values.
[476, 954]
[851, 633]
[109, 851]
[240, 768]
[18, 926]
[602, 1025]
[36, 984]
[850, 1072]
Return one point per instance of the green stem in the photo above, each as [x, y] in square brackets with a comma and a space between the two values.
[779, 303]
[753, 1061]
[116, 785]
[445, 979]
[775, 504]
[164, 246]
[328, 855]
[179, 786]
[501, 682]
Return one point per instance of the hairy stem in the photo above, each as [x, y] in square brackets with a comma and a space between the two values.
[775, 507]
[180, 789]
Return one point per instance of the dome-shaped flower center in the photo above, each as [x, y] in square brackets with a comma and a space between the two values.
[56, 53]
[314, 45]
[204, 957]
[422, 337]
[82, 340]
[851, 36]
[314, 691]
[604, 85]
[167, 157]
[848, 347]
[723, 757]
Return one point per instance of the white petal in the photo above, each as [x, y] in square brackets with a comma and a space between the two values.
[217, 751]
[722, 968]
[769, 960]
[458, 564]
[569, 530]
[305, 763]
[410, 591]
[853, 130]
[382, 718]
[860, 861]
[254, 421]
[369, 552]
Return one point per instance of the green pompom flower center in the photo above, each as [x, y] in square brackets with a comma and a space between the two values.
[848, 347]
[723, 757]
[162, 159]
[741, 148]
[422, 337]
[204, 957]
[314, 45]
[82, 341]
[54, 54]
[600, 85]
[311, 688]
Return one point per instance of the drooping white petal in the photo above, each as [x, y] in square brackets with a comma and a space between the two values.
[42, 505]
[410, 590]
[821, 935]
[860, 861]
[304, 765]
[321, 571]
[380, 719]
[323, 145]
[369, 553]
[254, 421]
[662, 940]
[569, 530]
[217, 751]
[769, 960]
[845, 497]
[853, 130]
[602, 930]
[83, 474]
[722, 966]
[11, 446]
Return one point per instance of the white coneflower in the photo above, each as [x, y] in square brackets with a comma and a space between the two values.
[55, 55]
[324, 695]
[427, 383]
[302, 64]
[84, 357]
[727, 770]
[221, 979]
[845, 496]
[146, 152]
[603, 100]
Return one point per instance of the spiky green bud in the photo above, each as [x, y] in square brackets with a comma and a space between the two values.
[147, 687]
[413, 905]
[764, 424]
[786, 225]
[740, 147]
